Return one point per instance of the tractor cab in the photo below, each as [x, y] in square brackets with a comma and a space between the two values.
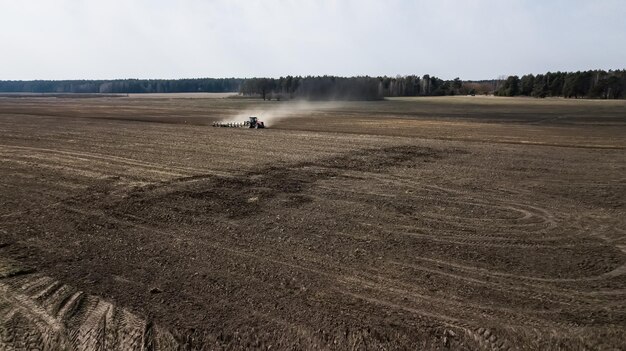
[255, 123]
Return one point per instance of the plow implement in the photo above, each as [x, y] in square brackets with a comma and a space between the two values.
[253, 122]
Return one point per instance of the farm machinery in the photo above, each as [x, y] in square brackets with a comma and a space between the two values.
[253, 122]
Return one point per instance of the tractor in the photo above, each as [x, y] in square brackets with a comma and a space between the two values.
[255, 123]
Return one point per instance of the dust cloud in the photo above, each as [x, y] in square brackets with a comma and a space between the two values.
[279, 111]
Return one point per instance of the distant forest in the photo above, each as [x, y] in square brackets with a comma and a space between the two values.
[123, 86]
[588, 84]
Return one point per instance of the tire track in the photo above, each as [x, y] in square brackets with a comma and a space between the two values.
[181, 171]
[485, 272]
[463, 309]
[38, 312]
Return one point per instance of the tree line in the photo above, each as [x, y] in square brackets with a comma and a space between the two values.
[357, 88]
[595, 84]
[587, 84]
[123, 86]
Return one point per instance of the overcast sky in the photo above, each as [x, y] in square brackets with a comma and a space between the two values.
[471, 39]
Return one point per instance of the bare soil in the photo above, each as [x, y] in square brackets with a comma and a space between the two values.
[432, 223]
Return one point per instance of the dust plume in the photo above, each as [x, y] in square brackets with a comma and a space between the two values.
[279, 111]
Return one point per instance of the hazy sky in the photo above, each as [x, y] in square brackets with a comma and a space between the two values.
[472, 39]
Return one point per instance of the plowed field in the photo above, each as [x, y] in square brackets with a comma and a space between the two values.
[421, 223]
